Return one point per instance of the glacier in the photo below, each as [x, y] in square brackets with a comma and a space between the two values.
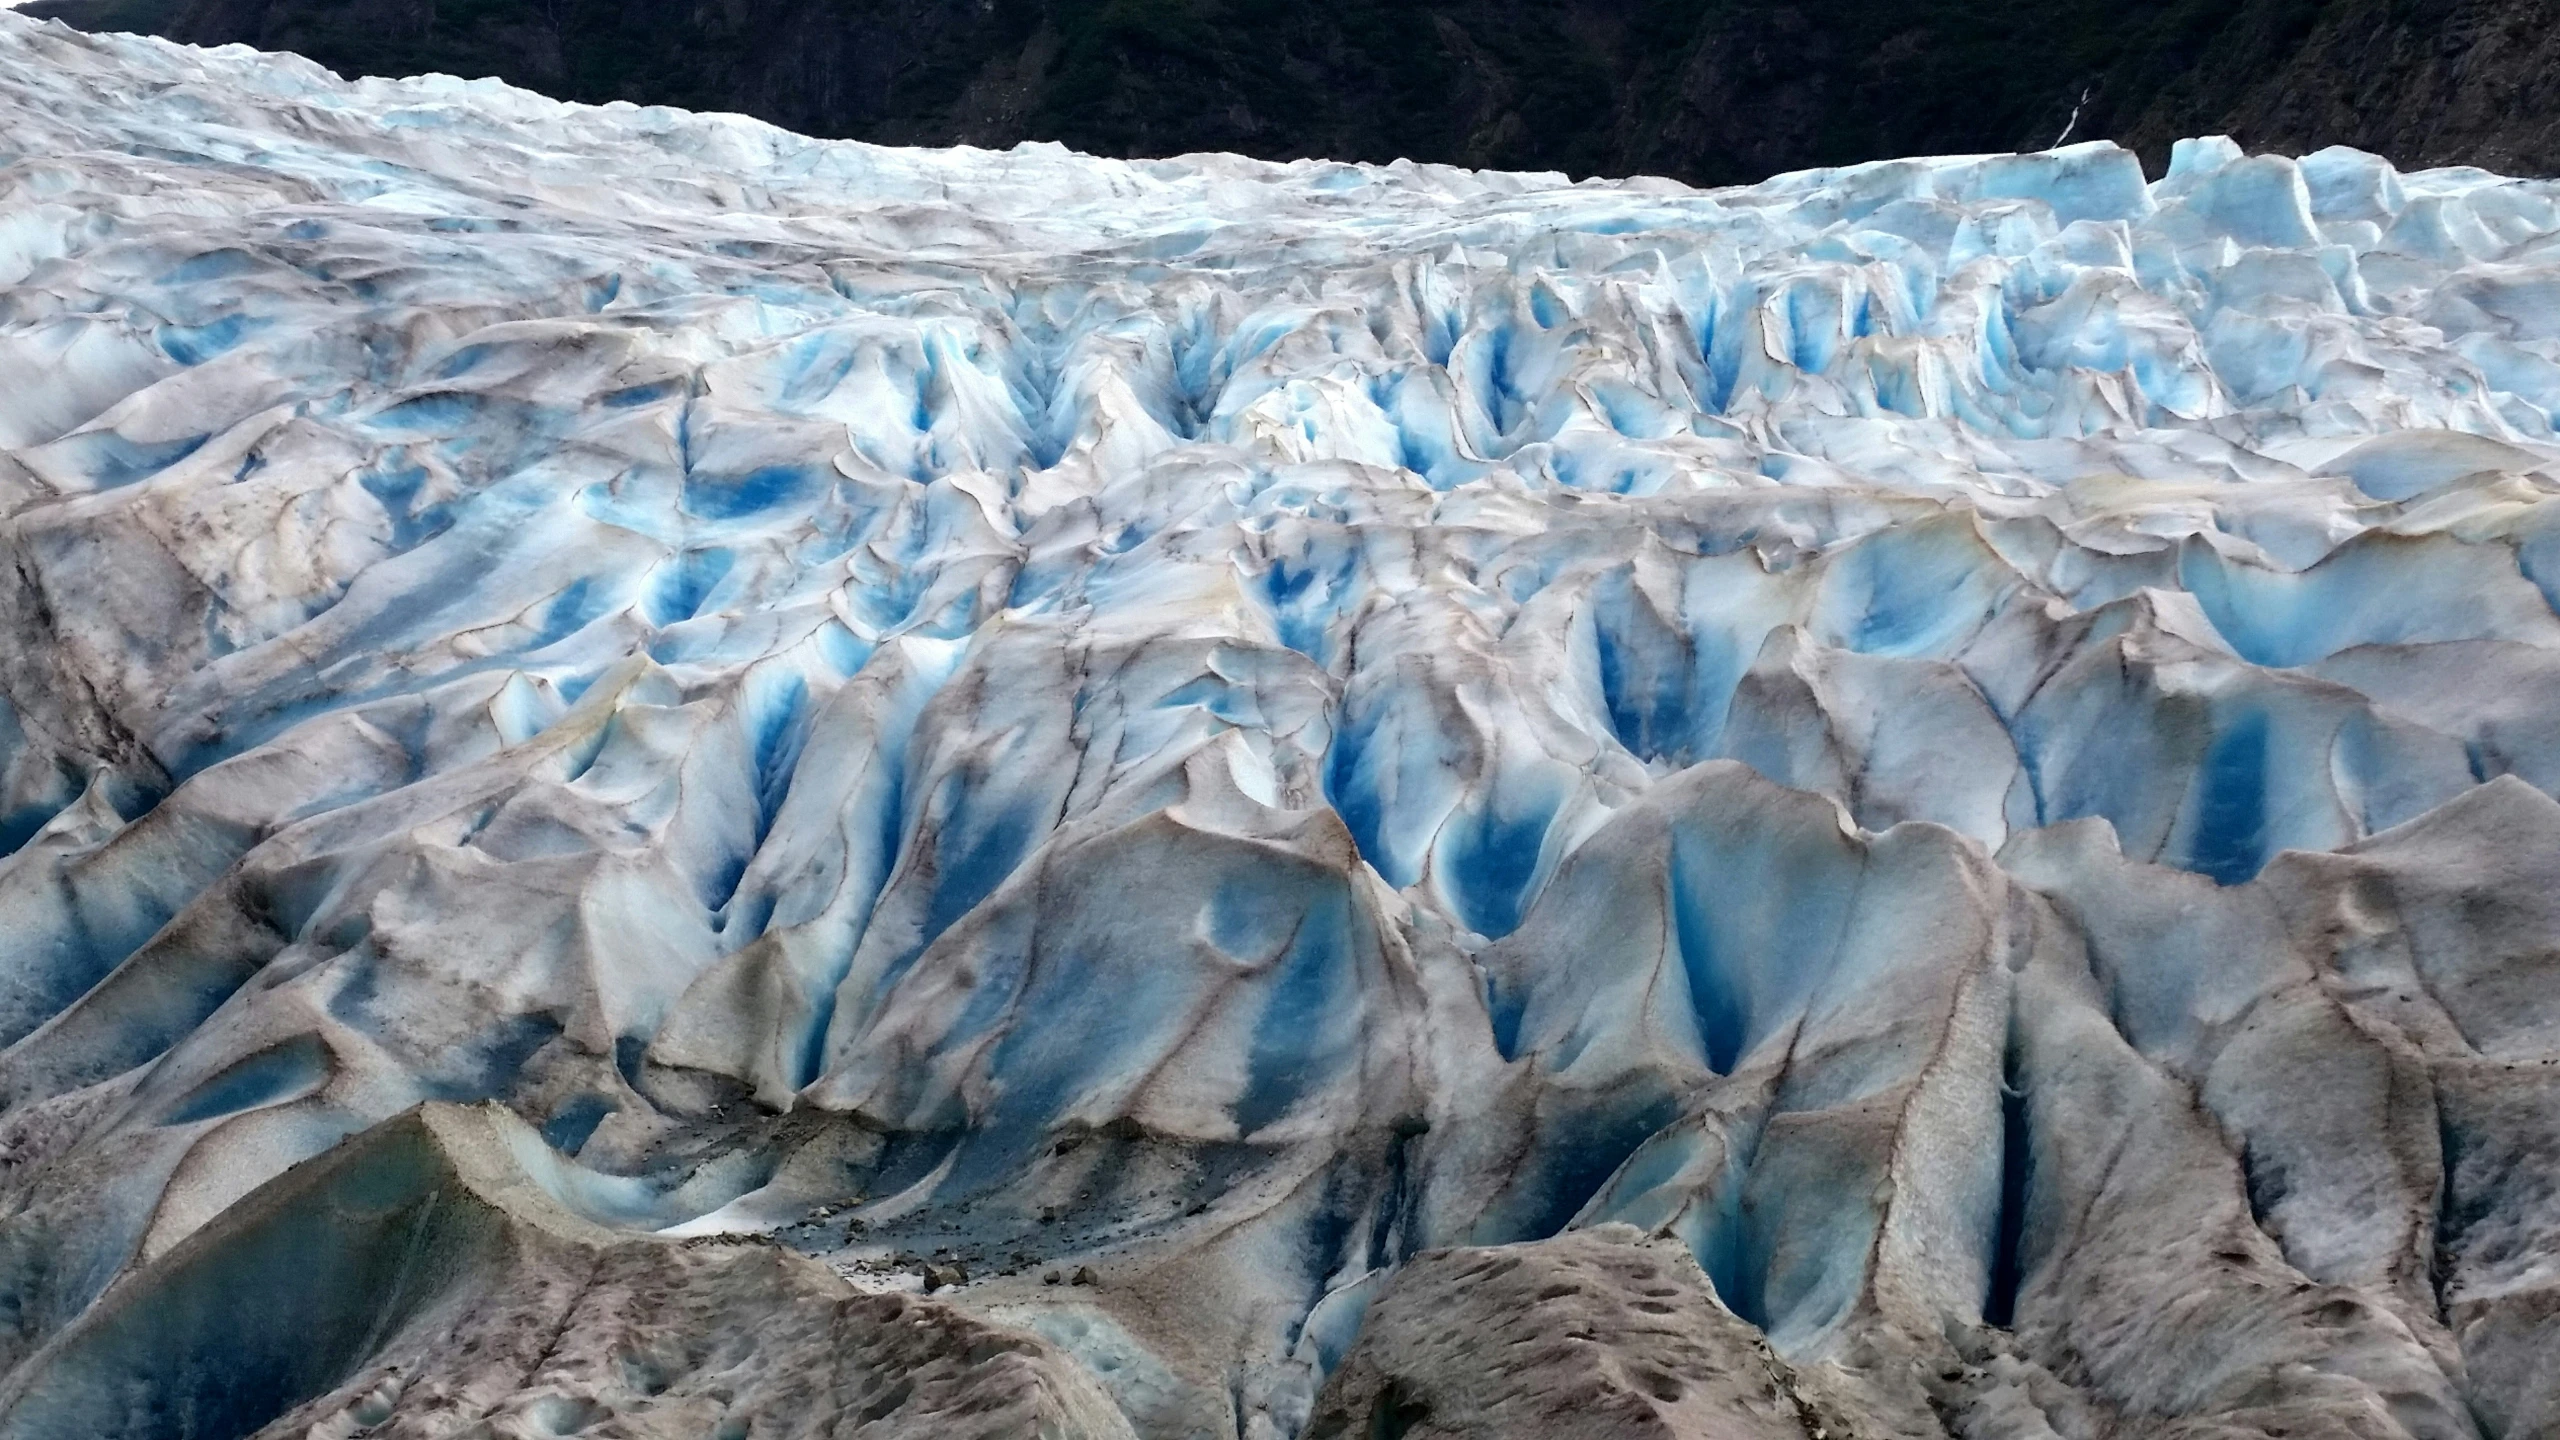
[659, 779]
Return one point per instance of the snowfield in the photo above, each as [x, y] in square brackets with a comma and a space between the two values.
[1330, 800]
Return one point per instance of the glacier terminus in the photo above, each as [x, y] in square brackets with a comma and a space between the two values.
[663, 781]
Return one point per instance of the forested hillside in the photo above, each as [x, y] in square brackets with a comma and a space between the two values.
[1702, 90]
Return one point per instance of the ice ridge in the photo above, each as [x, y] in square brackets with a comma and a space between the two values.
[1912, 801]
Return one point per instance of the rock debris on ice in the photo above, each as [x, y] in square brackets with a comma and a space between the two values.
[1913, 801]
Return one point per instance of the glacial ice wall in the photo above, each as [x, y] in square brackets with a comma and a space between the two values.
[1965, 744]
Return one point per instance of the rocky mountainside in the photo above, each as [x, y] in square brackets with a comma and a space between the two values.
[1705, 91]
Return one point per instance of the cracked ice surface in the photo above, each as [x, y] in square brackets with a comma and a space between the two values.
[1966, 744]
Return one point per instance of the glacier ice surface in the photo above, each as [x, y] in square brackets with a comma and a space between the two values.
[1911, 801]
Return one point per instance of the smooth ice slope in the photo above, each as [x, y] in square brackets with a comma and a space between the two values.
[1969, 741]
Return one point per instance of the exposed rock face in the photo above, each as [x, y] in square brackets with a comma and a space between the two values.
[2443, 82]
[1968, 743]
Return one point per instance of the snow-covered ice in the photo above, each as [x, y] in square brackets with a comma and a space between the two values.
[1965, 745]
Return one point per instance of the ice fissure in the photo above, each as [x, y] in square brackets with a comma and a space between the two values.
[662, 779]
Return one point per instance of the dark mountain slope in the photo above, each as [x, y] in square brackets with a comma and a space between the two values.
[1704, 90]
